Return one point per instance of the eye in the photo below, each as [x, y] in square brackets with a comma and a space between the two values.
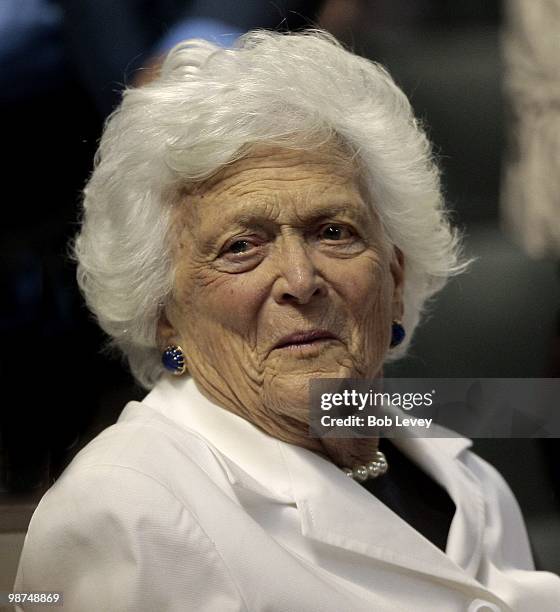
[241, 254]
[336, 232]
[239, 246]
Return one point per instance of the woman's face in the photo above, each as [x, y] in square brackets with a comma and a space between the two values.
[279, 243]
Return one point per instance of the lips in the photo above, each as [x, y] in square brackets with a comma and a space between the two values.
[305, 337]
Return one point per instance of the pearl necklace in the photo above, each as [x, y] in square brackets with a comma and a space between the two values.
[376, 467]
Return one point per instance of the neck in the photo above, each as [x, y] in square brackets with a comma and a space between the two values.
[343, 452]
[349, 452]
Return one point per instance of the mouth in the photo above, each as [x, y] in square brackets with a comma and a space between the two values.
[305, 338]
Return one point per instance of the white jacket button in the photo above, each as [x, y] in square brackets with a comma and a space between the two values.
[479, 605]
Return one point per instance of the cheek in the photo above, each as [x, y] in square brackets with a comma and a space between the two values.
[239, 300]
[223, 303]
[365, 287]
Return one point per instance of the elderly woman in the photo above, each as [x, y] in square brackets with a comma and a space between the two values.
[257, 218]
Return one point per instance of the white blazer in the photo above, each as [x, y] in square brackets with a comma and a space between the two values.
[182, 505]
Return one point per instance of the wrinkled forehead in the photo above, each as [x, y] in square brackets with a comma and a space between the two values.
[264, 161]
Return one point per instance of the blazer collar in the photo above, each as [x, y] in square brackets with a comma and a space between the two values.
[325, 497]
[250, 457]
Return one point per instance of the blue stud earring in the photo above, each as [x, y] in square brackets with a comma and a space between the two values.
[173, 359]
[397, 333]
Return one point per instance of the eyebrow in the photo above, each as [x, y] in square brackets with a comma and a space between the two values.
[247, 215]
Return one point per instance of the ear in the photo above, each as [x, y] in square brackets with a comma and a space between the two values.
[166, 333]
[397, 267]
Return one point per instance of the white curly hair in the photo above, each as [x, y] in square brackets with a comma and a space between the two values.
[207, 106]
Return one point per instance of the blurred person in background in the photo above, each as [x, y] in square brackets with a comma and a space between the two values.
[128, 35]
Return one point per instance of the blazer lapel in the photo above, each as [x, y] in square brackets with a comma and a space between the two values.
[438, 458]
[337, 511]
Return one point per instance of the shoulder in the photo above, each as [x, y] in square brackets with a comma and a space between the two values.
[142, 465]
[149, 445]
[117, 530]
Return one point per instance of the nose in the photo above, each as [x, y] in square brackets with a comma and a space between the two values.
[298, 280]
